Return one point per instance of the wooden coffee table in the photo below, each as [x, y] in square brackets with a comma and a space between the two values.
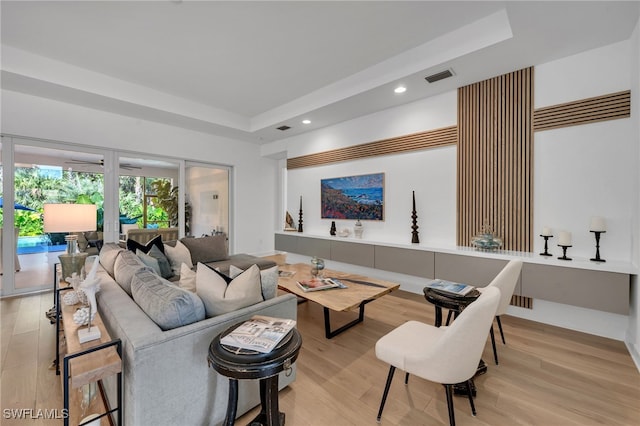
[361, 290]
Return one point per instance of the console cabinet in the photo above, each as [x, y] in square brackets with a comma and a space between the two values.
[602, 287]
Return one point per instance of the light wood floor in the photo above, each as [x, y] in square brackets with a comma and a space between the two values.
[547, 375]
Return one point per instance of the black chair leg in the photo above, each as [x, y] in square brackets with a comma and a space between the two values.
[406, 378]
[470, 393]
[493, 344]
[500, 327]
[452, 417]
[448, 317]
[392, 370]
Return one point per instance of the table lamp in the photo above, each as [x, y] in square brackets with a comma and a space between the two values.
[71, 218]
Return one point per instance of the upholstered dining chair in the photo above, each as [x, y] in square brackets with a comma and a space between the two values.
[506, 281]
[446, 355]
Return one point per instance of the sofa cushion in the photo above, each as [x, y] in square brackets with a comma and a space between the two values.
[206, 249]
[108, 255]
[177, 255]
[221, 294]
[166, 304]
[187, 278]
[133, 245]
[127, 264]
[268, 280]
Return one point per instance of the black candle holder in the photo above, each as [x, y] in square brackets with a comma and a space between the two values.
[564, 252]
[546, 245]
[597, 258]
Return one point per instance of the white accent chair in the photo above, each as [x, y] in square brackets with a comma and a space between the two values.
[506, 281]
[446, 355]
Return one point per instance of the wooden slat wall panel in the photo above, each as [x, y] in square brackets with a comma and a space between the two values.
[599, 108]
[416, 141]
[495, 153]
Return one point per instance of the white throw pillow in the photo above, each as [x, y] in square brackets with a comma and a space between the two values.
[219, 297]
[177, 256]
[187, 278]
[268, 280]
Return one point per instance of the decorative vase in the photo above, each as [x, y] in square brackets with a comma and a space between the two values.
[358, 229]
[317, 265]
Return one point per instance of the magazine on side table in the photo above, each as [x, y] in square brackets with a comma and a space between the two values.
[450, 287]
[260, 333]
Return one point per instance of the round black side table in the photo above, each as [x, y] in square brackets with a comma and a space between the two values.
[255, 365]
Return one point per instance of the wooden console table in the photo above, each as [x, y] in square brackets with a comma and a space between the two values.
[86, 363]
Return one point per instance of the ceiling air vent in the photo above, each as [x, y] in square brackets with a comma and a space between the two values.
[283, 128]
[439, 76]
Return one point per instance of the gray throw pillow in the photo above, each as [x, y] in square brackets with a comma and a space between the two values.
[207, 249]
[108, 255]
[167, 305]
[163, 262]
[127, 264]
[268, 280]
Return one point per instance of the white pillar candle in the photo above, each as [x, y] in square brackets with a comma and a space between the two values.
[546, 231]
[564, 238]
[598, 224]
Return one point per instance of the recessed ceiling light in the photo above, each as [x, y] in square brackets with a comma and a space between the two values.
[400, 89]
[306, 121]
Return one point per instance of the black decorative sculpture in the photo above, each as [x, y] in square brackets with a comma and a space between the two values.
[300, 214]
[414, 226]
[332, 231]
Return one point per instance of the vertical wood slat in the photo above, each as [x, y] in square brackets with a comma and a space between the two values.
[495, 159]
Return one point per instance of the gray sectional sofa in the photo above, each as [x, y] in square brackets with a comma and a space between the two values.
[167, 380]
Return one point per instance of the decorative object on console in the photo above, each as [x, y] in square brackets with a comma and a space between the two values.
[564, 241]
[344, 232]
[353, 197]
[358, 229]
[546, 234]
[300, 215]
[90, 286]
[317, 266]
[288, 222]
[71, 218]
[332, 230]
[414, 221]
[486, 239]
[598, 227]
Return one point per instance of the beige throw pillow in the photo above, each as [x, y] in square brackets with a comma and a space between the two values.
[219, 297]
[177, 256]
[187, 278]
[268, 280]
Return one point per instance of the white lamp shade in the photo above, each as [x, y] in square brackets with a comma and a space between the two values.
[70, 217]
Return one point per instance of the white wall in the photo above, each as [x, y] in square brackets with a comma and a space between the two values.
[579, 172]
[254, 177]
[207, 191]
[633, 333]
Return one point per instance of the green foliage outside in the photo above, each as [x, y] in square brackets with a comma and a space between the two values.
[35, 186]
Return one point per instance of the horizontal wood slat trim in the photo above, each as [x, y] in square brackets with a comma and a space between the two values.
[413, 142]
[600, 108]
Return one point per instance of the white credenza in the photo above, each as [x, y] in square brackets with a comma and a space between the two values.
[580, 282]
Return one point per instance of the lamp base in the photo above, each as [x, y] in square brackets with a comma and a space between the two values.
[86, 335]
[71, 263]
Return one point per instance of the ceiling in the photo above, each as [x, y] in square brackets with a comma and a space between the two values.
[241, 69]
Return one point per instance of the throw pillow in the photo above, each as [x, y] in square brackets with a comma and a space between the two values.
[219, 297]
[126, 266]
[187, 278]
[108, 255]
[163, 262]
[207, 249]
[148, 260]
[268, 280]
[133, 245]
[177, 256]
[167, 305]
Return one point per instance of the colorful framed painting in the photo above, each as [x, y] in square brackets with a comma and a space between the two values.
[353, 197]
